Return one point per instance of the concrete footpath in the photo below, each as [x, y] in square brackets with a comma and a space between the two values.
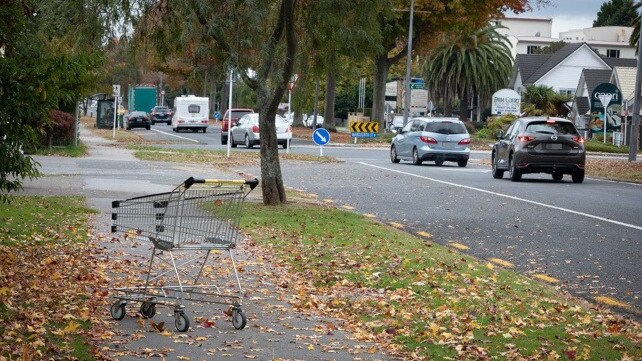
[274, 330]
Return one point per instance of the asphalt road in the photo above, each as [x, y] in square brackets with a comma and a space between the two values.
[586, 236]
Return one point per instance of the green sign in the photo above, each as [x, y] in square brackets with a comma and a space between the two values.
[613, 108]
[417, 85]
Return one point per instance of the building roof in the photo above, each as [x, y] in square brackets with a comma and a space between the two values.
[529, 63]
[595, 77]
[613, 62]
[552, 61]
[626, 80]
[582, 105]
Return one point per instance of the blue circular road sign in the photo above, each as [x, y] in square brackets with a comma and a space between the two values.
[321, 136]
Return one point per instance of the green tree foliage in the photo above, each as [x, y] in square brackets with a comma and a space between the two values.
[469, 64]
[551, 48]
[543, 100]
[635, 36]
[617, 13]
[48, 62]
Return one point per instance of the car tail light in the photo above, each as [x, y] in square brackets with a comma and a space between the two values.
[464, 141]
[550, 121]
[578, 139]
[204, 121]
[525, 138]
[427, 140]
[289, 130]
[181, 121]
[255, 129]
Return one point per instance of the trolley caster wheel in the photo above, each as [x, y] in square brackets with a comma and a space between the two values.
[238, 319]
[117, 311]
[147, 309]
[181, 322]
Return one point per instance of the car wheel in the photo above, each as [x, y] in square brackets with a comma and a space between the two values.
[223, 140]
[515, 174]
[393, 155]
[578, 176]
[204, 130]
[439, 162]
[148, 127]
[497, 174]
[557, 176]
[248, 144]
[285, 145]
[415, 157]
[462, 163]
[232, 142]
[153, 122]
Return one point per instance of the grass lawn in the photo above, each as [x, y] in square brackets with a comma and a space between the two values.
[423, 300]
[69, 151]
[50, 280]
[217, 158]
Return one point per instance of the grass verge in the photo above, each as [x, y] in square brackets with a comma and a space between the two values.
[217, 158]
[425, 301]
[51, 281]
[594, 145]
[69, 151]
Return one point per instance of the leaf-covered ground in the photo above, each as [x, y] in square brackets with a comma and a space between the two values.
[52, 281]
[217, 158]
[425, 301]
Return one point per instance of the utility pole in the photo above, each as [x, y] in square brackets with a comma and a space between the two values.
[406, 107]
[635, 124]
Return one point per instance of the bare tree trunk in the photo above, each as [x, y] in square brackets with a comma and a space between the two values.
[213, 95]
[379, 93]
[464, 101]
[330, 95]
[271, 177]
[225, 97]
[448, 104]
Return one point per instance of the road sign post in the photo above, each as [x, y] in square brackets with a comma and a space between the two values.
[321, 137]
[116, 89]
[605, 99]
[229, 117]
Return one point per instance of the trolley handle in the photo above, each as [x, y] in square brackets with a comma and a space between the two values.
[251, 182]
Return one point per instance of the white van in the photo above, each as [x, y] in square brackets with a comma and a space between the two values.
[191, 112]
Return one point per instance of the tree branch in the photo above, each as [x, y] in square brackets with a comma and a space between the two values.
[264, 70]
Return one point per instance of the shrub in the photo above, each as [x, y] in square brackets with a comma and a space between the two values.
[485, 133]
[500, 123]
[59, 128]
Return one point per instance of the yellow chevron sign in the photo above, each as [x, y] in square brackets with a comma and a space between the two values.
[364, 127]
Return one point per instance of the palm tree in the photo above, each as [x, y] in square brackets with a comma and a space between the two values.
[469, 64]
[635, 36]
[543, 100]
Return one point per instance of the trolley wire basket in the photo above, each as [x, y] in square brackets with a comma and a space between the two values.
[187, 227]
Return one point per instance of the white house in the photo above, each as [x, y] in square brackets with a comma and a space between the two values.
[526, 34]
[561, 70]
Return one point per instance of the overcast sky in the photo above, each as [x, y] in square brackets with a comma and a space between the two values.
[568, 14]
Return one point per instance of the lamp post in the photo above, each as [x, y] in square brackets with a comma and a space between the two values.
[229, 117]
[406, 107]
[635, 124]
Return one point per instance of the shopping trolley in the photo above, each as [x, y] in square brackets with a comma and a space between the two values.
[187, 227]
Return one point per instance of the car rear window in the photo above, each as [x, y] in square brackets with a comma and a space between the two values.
[445, 128]
[240, 114]
[194, 109]
[162, 109]
[551, 128]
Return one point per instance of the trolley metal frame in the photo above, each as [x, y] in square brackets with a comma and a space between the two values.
[199, 216]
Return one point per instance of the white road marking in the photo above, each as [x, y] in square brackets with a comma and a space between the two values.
[509, 197]
[177, 136]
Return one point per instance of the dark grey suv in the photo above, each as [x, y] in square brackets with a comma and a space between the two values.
[539, 145]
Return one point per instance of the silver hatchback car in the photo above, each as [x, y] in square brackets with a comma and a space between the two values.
[435, 139]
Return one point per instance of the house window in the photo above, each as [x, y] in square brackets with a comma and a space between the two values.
[567, 92]
[532, 48]
[612, 53]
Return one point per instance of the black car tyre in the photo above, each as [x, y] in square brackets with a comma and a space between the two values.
[462, 163]
[223, 140]
[515, 174]
[578, 176]
[285, 145]
[153, 122]
[439, 162]
[248, 144]
[497, 173]
[148, 127]
[232, 143]
[415, 157]
[393, 155]
[557, 176]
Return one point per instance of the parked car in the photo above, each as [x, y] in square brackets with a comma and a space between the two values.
[136, 120]
[435, 139]
[539, 145]
[309, 121]
[161, 114]
[236, 114]
[396, 123]
[246, 131]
